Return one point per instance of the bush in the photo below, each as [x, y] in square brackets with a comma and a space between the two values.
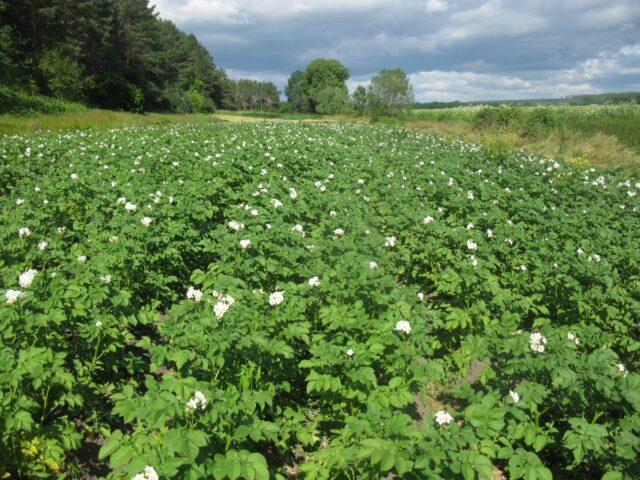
[114, 92]
[497, 117]
[331, 101]
[62, 74]
[540, 120]
[192, 101]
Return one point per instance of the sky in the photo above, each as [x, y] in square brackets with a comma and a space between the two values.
[451, 49]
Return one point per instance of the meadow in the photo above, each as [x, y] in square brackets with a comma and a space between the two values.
[313, 300]
[603, 135]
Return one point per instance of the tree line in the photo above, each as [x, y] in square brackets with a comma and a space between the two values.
[115, 54]
[118, 54]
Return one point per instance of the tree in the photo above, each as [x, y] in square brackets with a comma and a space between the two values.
[391, 91]
[359, 99]
[296, 92]
[253, 94]
[62, 74]
[331, 101]
[323, 75]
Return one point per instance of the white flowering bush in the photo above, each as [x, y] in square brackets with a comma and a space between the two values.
[197, 310]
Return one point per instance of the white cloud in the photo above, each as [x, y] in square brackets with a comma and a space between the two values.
[436, 6]
[250, 11]
[623, 62]
[466, 86]
[493, 18]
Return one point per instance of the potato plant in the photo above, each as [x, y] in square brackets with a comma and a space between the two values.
[318, 301]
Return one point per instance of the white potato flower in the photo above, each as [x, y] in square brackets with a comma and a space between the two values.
[428, 219]
[338, 232]
[537, 342]
[81, 258]
[13, 296]
[471, 245]
[403, 326]
[149, 473]
[235, 226]
[26, 278]
[222, 305]
[42, 245]
[146, 221]
[198, 400]
[443, 418]
[314, 282]
[245, 244]
[390, 242]
[514, 396]
[130, 207]
[350, 352]
[276, 298]
[194, 294]
[24, 232]
[373, 265]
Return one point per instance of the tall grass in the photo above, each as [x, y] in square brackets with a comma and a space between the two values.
[97, 119]
[619, 121]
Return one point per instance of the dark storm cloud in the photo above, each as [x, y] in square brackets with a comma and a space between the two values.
[468, 49]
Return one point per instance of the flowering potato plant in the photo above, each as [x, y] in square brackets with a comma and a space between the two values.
[321, 301]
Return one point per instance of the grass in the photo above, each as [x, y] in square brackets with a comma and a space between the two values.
[602, 135]
[256, 114]
[91, 118]
[20, 103]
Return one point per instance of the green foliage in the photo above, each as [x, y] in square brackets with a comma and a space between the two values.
[445, 312]
[498, 117]
[331, 101]
[255, 95]
[390, 92]
[359, 99]
[109, 53]
[62, 74]
[296, 92]
[20, 103]
[620, 121]
[323, 77]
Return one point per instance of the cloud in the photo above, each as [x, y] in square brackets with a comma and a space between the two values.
[467, 86]
[489, 48]
[435, 6]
